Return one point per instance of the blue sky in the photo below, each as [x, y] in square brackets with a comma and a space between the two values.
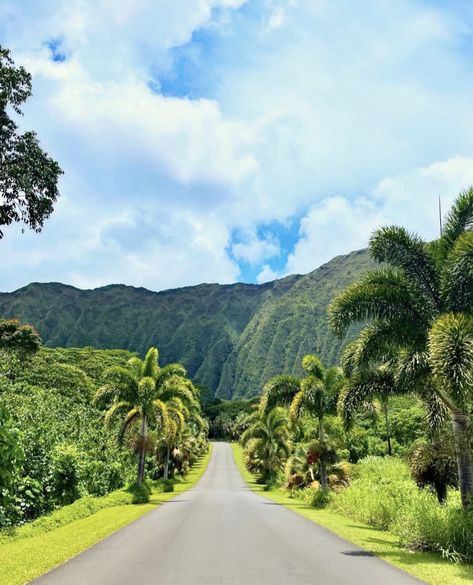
[227, 140]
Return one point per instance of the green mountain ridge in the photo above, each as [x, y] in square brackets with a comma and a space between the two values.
[231, 338]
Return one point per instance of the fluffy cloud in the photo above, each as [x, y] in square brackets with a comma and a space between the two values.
[254, 250]
[267, 274]
[337, 225]
[186, 129]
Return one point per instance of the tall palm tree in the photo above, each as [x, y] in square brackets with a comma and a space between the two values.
[402, 302]
[269, 437]
[140, 393]
[316, 394]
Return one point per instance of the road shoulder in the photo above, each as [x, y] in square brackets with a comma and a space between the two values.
[425, 566]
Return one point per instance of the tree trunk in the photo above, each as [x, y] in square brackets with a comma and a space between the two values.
[142, 450]
[323, 467]
[441, 491]
[166, 462]
[460, 423]
[388, 427]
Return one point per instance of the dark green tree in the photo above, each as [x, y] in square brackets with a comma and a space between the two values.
[28, 176]
[17, 343]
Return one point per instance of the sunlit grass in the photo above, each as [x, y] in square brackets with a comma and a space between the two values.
[428, 567]
[32, 551]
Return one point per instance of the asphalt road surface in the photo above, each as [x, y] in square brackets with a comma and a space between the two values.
[220, 533]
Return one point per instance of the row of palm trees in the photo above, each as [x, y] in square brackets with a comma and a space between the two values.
[416, 312]
[150, 399]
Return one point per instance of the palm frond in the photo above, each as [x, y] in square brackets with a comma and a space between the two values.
[457, 284]
[458, 220]
[451, 355]
[313, 366]
[362, 389]
[170, 371]
[150, 363]
[112, 411]
[382, 294]
[279, 391]
[160, 413]
[401, 249]
[131, 416]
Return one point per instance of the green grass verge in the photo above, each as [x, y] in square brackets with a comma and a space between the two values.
[36, 548]
[425, 566]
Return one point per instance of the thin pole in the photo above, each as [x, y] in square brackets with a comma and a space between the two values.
[440, 216]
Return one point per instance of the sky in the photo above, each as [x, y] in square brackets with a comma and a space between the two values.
[236, 140]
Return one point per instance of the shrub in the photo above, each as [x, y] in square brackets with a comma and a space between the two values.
[381, 487]
[382, 494]
[81, 508]
[102, 477]
[66, 474]
[164, 485]
[320, 498]
[140, 493]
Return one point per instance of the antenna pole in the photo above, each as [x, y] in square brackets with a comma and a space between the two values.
[440, 216]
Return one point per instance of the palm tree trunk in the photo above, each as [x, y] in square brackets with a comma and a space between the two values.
[142, 450]
[460, 423]
[323, 467]
[166, 462]
[388, 427]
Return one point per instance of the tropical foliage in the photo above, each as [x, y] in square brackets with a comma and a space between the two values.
[54, 445]
[419, 336]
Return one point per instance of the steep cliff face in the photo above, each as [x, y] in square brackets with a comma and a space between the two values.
[230, 337]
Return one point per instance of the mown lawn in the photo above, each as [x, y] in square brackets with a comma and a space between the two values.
[33, 550]
[428, 567]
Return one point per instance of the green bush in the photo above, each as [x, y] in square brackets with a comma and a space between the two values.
[81, 508]
[140, 493]
[320, 498]
[66, 474]
[164, 485]
[383, 495]
[381, 487]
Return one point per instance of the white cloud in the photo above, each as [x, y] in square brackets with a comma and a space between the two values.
[254, 250]
[266, 275]
[338, 225]
[297, 123]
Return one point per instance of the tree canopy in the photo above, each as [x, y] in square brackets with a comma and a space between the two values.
[28, 176]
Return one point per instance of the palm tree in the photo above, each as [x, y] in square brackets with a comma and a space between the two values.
[180, 397]
[315, 394]
[451, 357]
[402, 302]
[268, 439]
[142, 391]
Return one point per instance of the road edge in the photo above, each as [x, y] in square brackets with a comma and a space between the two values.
[431, 568]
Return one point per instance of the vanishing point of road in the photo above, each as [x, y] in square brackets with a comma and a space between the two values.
[221, 533]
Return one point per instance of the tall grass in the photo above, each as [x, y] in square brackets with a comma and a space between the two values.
[383, 495]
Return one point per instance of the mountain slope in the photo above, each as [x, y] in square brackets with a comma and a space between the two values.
[230, 337]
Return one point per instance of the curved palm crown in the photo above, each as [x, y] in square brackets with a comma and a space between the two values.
[316, 394]
[270, 437]
[418, 286]
[143, 392]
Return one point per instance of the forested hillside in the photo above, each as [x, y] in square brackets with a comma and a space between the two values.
[231, 338]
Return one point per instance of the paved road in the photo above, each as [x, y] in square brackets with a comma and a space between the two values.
[220, 533]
